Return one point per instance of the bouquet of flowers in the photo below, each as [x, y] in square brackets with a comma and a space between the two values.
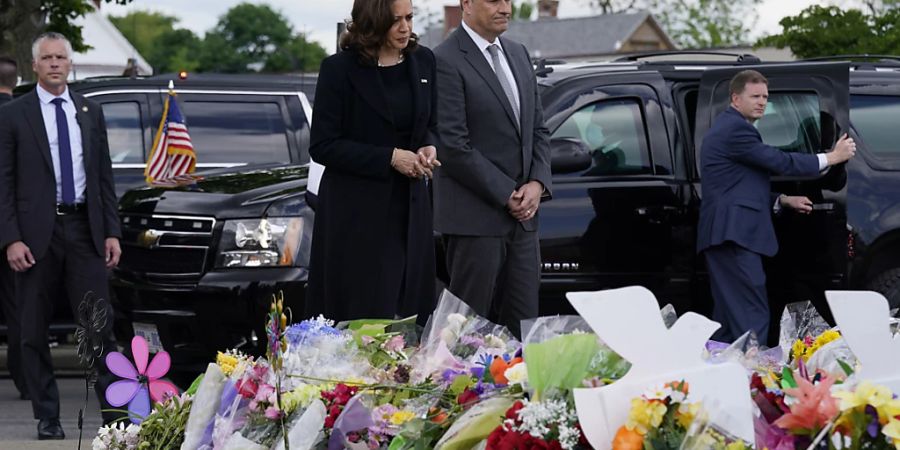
[659, 419]
[549, 424]
[868, 418]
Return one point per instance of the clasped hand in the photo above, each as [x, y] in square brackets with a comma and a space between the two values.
[416, 165]
[523, 203]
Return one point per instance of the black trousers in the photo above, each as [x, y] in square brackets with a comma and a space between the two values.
[498, 276]
[738, 285]
[72, 265]
[13, 327]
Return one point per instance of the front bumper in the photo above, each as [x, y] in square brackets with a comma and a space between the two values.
[223, 310]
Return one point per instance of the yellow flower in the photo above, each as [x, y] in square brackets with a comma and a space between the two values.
[645, 415]
[302, 396]
[686, 413]
[401, 417]
[226, 362]
[880, 397]
[799, 349]
[736, 445]
[892, 430]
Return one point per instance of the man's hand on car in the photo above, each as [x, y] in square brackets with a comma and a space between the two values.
[843, 150]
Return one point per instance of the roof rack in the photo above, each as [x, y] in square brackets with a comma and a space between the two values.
[877, 58]
[740, 57]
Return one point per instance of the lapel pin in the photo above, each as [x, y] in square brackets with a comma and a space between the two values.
[424, 80]
[84, 108]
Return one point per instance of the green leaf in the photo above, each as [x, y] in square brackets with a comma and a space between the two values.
[787, 378]
[846, 367]
[460, 384]
[195, 385]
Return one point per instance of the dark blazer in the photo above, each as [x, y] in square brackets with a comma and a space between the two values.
[353, 135]
[485, 154]
[5, 98]
[735, 170]
[28, 183]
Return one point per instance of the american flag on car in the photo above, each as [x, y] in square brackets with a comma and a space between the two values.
[173, 158]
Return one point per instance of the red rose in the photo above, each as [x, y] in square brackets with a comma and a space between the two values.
[247, 388]
[467, 398]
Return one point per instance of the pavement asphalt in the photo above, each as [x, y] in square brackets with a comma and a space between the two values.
[18, 428]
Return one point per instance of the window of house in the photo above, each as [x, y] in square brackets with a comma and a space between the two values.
[874, 117]
[237, 132]
[124, 132]
[612, 131]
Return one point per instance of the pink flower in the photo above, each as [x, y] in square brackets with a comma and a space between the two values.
[264, 392]
[273, 413]
[814, 408]
[247, 388]
[394, 344]
[366, 340]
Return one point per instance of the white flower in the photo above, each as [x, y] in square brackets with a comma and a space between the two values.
[455, 322]
[517, 374]
[657, 393]
[98, 444]
[131, 435]
[492, 341]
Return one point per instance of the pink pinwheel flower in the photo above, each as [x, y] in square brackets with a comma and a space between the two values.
[139, 380]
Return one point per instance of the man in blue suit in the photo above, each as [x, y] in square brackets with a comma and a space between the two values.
[735, 227]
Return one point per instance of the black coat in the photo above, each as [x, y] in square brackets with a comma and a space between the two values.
[28, 183]
[361, 266]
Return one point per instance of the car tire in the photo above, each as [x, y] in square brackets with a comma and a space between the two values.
[888, 284]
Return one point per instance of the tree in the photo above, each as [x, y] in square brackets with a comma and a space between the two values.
[826, 31]
[522, 11]
[706, 23]
[166, 48]
[253, 33]
[256, 37]
[693, 23]
[22, 21]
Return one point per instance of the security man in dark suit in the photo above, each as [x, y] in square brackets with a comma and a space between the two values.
[58, 220]
[8, 79]
[735, 228]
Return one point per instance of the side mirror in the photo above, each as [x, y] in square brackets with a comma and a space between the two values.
[568, 155]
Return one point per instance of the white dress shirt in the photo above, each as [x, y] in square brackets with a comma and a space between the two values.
[48, 111]
[483, 44]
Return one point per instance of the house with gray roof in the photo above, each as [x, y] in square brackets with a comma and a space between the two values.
[593, 37]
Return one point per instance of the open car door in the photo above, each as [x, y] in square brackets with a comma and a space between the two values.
[807, 112]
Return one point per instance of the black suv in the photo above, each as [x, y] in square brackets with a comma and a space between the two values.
[202, 261]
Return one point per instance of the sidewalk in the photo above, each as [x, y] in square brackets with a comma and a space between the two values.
[18, 428]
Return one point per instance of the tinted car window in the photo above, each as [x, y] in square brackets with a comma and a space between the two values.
[613, 132]
[233, 132]
[791, 122]
[875, 117]
[123, 128]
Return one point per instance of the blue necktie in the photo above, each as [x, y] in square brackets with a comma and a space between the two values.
[65, 154]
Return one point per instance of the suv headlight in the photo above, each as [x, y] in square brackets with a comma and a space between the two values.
[266, 242]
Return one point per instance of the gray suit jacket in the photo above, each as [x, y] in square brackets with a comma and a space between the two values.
[485, 154]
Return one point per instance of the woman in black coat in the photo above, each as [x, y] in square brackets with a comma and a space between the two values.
[373, 129]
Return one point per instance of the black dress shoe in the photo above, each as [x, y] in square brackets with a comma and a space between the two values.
[50, 429]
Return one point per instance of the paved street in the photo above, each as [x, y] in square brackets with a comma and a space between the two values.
[18, 429]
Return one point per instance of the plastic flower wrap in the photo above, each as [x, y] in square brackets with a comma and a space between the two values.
[457, 338]
[318, 352]
[204, 407]
[704, 434]
[799, 320]
[747, 352]
[561, 356]
[476, 424]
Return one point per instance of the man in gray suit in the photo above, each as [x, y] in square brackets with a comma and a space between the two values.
[496, 165]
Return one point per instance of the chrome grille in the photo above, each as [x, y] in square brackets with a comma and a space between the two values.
[166, 249]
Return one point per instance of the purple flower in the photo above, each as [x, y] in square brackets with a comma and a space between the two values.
[874, 426]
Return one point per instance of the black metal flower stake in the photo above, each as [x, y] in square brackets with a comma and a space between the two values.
[92, 318]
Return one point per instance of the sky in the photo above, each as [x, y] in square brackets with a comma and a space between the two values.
[318, 18]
